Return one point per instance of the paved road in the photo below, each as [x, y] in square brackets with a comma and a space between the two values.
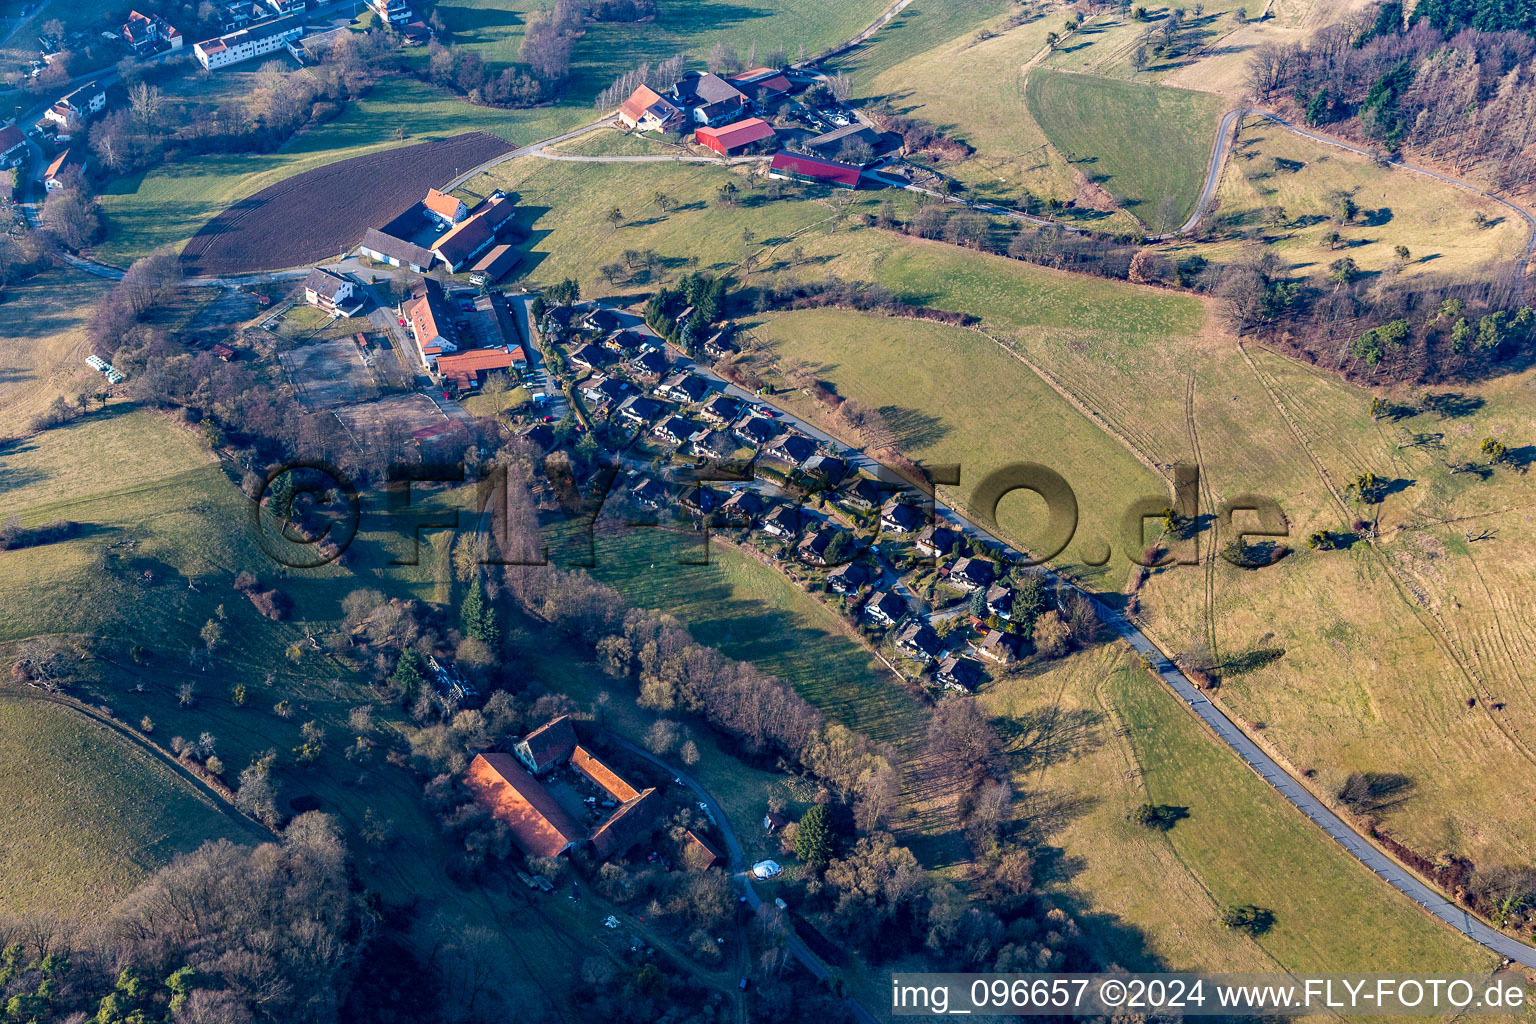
[738, 870]
[1212, 174]
[1224, 728]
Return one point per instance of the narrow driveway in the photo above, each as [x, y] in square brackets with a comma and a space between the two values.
[738, 871]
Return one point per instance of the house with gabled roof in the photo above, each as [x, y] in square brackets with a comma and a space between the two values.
[750, 134]
[849, 578]
[683, 387]
[959, 673]
[791, 448]
[647, 110]
[937, 541]
[675, 429]
[918, 640]
[327, 290]
[640, 410]
[742, 507]
[649, 365]
[539, 826]
[548, 745]
[443, 209]
[887, 608]
[649, 493]
[699, 853]
[972, 573]
[782, 521]
[474, 234]
[754, 430]
[899, 517]
[430, 322]
[863, 494]
[712, 99]
[720, 410]
[393, 251]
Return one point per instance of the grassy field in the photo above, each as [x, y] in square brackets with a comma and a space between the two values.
[87, 813]
[922, 25]
[1281, 185]
[1148, 145]
[613, 142]
[1093, 737]
[955, 396]
[42, 344]
[166, 205]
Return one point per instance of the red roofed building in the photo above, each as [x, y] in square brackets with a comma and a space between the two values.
[430, 322]
[538, 825]
[762, 84]
[475, 234]
[583, 761]
[648, 110]
[698, 852]
[547, 745]
[808, 168]
[468, 370]
[737, 137]
[446, 210]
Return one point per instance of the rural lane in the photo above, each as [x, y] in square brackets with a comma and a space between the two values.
[738, 862]
[1219, 723]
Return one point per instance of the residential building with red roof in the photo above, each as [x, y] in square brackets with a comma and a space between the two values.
[796, 167]
[445, 209]
[647, 110]
[430, 323]
[737, 137]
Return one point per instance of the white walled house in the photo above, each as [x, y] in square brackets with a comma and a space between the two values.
[248, 43]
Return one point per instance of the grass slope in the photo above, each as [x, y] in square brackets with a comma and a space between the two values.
[42, 344]
[1278, 185]
[88, 814]
[1145, 144]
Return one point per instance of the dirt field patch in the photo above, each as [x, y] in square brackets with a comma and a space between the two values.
[391, 421]
[314, 215]
[329, 374]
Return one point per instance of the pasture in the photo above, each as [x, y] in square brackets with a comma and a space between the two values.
[1094, 736]
[43, 345]
[1285, 189]
[87, 813]
[1147, 145]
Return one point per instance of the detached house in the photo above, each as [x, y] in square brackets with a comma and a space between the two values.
[444, 210]
[899, 517]
[972, 573]
[647, 110]
[78, 105]
[791, 449]
[849, 578]
[937, 541]
[999, 601]
[147, 33]
[675, 429]
[328, 291]
[783, 522]
[957, 673]
[741, 508]
[714, 100]
[887, 609]
[863, 494]
[918, 640]
[683, 387]
[649, 494]
[755, 430]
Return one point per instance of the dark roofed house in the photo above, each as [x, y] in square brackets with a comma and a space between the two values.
[765, 85]
[588, 357]
[684, 387]
[937, 541]
[864, 494]
[713, 99]
[783, 521]
[675, 429]
[494, 265]
[603, 320]
[957, 673]
[815, 170]
[887, 609]
[396, 252]
[847, 579]
[741, 508]
[835, 144]
[639, 410]
[792, 449]
[328, 291]
[814, 545]
[899, 517]
[997, 646]
[1000, 601]
[625, 826]
[972, 573]
[720, 410]
[547, 746]
[650, 364]
[649, 493]
[918, 640]
[601, 390]
[755, 430]
[537, 823]
[828, 469]
[13, 142]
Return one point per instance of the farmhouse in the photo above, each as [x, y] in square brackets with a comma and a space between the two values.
[547, 745]
[764, 85]
[811, 169]
[395, 252]
[475, 234]
[64, 171]
[255, 41]
[647, 110]
[78, 105]
[329, 291]
[148, 33]
[427, 316]
[445, 210]
[714, 100]
[738, 137]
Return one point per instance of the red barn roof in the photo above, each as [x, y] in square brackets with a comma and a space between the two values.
[735, 135]
[539, 827]
[820, 170]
